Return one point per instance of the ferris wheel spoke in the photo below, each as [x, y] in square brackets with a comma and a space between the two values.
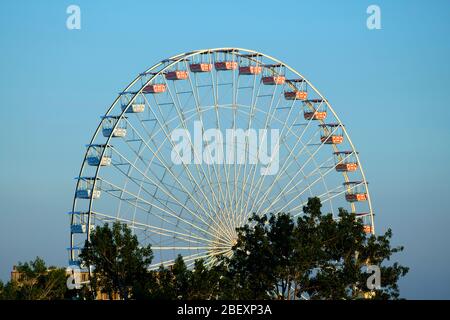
[295, 176]
[203, 175]
[208, 257]
[157, 184]
[191, 247]
[181, 184]
[190, 258]
[137, 206]
[305, 177]
[196, 95]
[277, 177]
[269, 118]
[322, 176]
[335, 193]
[251, 116]
[178, 108]
[225, 194]
[137, 198]
[160, 187]
[170, 262]
[161, 231]
[283, 170]
[164, 220]
[191, 178]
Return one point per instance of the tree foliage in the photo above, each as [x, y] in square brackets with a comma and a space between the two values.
[35, 281]
[118, 260]
[315, 257]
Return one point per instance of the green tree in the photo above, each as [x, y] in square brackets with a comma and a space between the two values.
[252, 266]
[165, 286]
[119, 263]
[181, 278]
[36, 281]
[316, 256]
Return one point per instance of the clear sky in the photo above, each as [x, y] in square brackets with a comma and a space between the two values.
[390, 87]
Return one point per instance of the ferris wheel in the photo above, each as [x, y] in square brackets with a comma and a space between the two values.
[198, 142]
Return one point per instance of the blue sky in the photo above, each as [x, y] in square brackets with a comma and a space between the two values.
[389, 86]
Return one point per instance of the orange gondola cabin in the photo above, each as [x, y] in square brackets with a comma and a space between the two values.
[273, 75]
[225, 61]
[314, 109]
[298, 92]
[331, 133]
[154, 88]
[250, 70]
[251, 65]
[345, 161]
[200, 67]
[368, 229]
[225, 65]
[273, 80]
[177, 75]
[355, 191]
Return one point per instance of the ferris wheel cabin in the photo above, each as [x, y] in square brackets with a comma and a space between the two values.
[345, 161]
[109, 127]
[225, 65]
[272, 75]
[200, 67]
[134, 108]
[80, 228]
[154, 88]
[251, 66]
[86, 189]
[177, 75]
[94, 155]
[355, 191]
[315, 109]
[225, 61]
[299, 91]
[368, 229]
[250, 70]
[331, 133]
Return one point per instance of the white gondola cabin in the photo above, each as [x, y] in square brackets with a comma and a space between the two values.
[356, 191]
[86, 189]
[78, 228]
[114, 126]
[131, 103]
[345, 161]
[331, 133]
[98, 155]
[314, 109]
[297, 90]
[74, 252]
[134, 108]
